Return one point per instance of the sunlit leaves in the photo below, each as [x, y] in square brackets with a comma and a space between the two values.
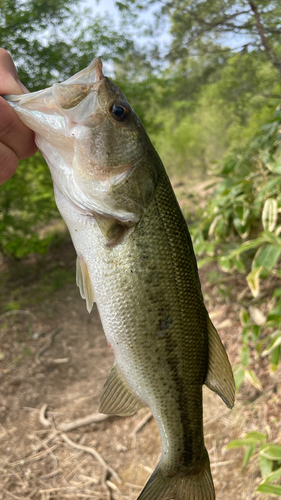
[239, 375]
[247, 206]
[271, 452]
[251, 376]
[254, 281]
[270, 488]
[269, 456]
[270, 214]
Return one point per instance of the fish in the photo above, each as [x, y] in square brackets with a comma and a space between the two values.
[135, 260]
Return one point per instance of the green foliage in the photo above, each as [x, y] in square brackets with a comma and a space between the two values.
[50, 41]
[250, 336]
[211, 96]
[194, 116]
[240, 229]
[269, 459]
[27, 205]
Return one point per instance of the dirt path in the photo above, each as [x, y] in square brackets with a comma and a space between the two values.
[36, 462]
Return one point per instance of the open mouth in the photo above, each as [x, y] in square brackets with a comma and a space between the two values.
[64, 95]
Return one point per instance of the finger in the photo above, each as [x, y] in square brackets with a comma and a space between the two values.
[9, 79]
[8, 163]
[14, 134]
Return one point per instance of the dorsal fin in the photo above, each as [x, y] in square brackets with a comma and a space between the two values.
[84, 283]
[219, 377]
[117, 397]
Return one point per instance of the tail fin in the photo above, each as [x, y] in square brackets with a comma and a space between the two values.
[179, 487]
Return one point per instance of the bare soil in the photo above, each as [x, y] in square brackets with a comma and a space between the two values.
[39, 297]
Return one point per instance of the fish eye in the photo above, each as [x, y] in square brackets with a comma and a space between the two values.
[119, 111]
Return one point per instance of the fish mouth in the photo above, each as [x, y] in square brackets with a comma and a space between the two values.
[52, 112]
[51, 97]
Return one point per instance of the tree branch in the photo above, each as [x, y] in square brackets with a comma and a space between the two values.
[219, 22]
[270, 52]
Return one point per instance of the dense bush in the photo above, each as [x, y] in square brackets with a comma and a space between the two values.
[27, 205]
[240, 228]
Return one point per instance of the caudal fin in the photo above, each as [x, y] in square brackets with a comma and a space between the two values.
[179, 487]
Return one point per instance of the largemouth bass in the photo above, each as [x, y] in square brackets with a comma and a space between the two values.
[135, 260]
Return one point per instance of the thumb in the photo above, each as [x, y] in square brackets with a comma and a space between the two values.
[9, 79]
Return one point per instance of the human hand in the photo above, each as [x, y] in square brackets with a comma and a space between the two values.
[16, 140]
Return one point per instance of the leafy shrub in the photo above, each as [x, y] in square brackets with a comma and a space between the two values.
[240, 228]
[26, 206]
[269, 458]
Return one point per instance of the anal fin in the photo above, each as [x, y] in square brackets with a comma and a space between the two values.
[117, 397]
[84, 283]
[219, 377]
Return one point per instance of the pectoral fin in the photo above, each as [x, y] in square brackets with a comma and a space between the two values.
[219, 377]
[117, 397]
[84, 283]
[111, 229]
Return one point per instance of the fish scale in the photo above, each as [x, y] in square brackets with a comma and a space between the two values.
[136, 261]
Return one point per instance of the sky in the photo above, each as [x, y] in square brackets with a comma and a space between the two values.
[102, 6]
[108, 6]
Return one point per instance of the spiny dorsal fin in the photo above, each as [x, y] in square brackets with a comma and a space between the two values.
[219, 377]
[84, 283]
[117, 397]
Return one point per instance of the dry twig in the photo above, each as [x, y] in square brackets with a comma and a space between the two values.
[33, 458]
[13, 496]
[33, 492]
[52, 474]
[42, 444]
[43, 420]
[135, 486]
[92, 494]
[222, 464]
[218, 417]
[113, 486]
[10, 313]
[79, 466]
[94, 453]
[90, 479]
[48, 344]
[94, 418]
[106, 487]
[141, 424]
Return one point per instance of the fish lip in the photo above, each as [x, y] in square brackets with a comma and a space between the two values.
[98, 70]
[26, 98]
[90, 75]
